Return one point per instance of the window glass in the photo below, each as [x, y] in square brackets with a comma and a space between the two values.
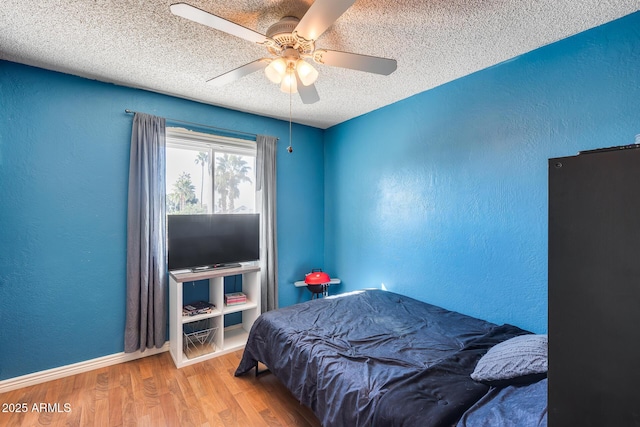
[209, 174]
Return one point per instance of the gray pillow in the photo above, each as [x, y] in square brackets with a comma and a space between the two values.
[522, 359]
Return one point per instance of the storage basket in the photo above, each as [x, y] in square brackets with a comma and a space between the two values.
[199, 339]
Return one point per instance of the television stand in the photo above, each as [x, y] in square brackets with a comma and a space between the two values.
[218, 339]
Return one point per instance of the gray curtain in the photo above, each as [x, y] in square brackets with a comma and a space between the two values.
[146, 324]
[266, 184]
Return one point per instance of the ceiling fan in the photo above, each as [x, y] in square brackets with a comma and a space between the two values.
[291, 41]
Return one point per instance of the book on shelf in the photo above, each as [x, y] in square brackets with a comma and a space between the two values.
[235, 298]
[198, 307]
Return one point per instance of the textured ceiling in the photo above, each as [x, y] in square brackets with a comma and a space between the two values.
[139, 43]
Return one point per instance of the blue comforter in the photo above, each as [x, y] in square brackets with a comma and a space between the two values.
[511, 406]
[375, 358]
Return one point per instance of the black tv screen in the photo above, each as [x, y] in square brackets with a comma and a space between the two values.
[212, 240]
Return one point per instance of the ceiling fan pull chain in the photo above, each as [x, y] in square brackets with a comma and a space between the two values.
[290, 148]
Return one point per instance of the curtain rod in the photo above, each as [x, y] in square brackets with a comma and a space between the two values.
[201, 125]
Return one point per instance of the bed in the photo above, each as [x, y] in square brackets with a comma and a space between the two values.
[377, 358]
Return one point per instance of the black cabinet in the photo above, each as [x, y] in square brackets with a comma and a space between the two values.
[594, 289]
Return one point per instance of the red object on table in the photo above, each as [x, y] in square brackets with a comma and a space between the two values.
[317, 282]
[317, 277]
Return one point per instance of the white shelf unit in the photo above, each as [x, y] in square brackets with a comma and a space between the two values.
[227, 339]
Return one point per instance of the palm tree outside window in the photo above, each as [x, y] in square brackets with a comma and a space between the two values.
[203, 160]
[231, 171]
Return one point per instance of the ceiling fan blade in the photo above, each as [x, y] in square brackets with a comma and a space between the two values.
[308, 94]
[354, 61]
[320, 16]
[205, 18]
[238, 73]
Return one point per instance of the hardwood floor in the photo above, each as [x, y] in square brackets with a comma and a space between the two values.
[152, 392]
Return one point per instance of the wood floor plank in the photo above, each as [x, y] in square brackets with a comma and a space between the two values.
[256, 414]
[269, 417]
[153, 392]
[102, 384]
[115, 405]
[101, 413]
[169, 412]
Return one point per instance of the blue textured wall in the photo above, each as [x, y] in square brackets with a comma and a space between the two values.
[64, 154]
[443, 196]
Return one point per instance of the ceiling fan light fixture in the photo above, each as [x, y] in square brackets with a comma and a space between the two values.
[308, 75]
[276, 70]
[289, 84]
[290, 40]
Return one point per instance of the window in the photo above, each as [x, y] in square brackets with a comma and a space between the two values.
[209, 174]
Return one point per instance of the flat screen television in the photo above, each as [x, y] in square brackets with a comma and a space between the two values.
[212, 240]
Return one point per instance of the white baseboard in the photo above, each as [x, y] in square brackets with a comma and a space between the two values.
[76, 368]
